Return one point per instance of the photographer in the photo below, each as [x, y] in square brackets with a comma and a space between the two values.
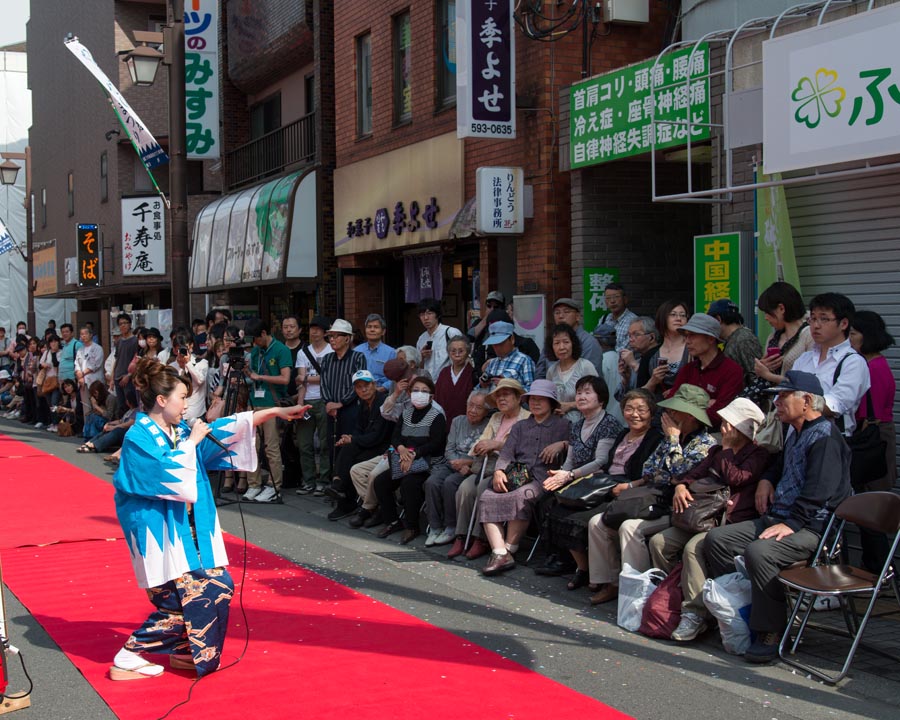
[269, 373]
[195, 369]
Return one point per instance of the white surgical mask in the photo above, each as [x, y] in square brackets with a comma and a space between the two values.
[142, 343]
[420, 399]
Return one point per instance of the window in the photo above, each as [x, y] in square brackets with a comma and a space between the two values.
[309, 90]
[265, 116]
[402, 69]
[43, 207]
[364, 84]
[70, 189]
[446, 58]
[104, 177]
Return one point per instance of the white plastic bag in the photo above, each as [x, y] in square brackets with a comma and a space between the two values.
[728, 599]
[634, 589]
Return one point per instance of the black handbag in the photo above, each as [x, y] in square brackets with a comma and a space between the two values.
[517, 475]
[588, 492]
[419, 465]
[707, 508]
[640, 503]
[867, 448]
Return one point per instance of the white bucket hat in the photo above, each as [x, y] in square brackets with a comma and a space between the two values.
[743, 415]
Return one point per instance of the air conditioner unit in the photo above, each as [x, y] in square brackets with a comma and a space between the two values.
[626, 11]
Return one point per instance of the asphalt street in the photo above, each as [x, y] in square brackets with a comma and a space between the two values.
[532, 620]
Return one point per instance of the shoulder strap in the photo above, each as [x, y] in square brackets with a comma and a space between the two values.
[837, 370]
[312, 360]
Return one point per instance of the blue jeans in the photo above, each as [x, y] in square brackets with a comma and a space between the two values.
[93, 425]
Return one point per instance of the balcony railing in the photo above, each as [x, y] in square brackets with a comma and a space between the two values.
[287, 147]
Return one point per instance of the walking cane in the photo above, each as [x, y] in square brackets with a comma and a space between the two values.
[477, 498]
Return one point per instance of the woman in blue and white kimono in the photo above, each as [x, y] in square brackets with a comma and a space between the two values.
[165, 506]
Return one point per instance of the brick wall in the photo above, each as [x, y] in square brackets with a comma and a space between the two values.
[545, 251]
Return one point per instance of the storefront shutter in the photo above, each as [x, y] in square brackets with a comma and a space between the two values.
[847, 240]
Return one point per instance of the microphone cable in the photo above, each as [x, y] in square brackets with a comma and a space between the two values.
[240, 604]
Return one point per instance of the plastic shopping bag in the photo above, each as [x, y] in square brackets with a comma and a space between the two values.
[728, 599]
[634, 589]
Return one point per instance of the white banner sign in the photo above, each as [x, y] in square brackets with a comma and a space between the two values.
[6, 241]
[831, 94]
[485, 69]
[500, 200]
[143, 236]
[201, 78]
[150, 151]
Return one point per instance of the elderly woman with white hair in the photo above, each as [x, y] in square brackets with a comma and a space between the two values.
[738, 464]
[525, 460]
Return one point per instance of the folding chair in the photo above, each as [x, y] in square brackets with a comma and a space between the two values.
[877, 511]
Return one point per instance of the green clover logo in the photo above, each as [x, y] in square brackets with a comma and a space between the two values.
[816, 97]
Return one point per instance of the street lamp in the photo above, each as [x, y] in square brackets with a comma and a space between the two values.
[9, 171]
[142, 65]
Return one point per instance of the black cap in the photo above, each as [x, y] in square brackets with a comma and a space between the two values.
[797, 381]
[320, 321]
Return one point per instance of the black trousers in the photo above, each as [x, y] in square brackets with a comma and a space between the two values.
[412, 492]
[764, 560]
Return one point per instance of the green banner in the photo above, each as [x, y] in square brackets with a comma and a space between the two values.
[717, 269]
[774, 243]
[611, 116]
[595, 281]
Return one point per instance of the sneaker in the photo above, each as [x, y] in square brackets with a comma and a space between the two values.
[431, 538]
[252, 493]
[765, 649]
[446, 537]
[306, 489]
[52, 429]
[39, 426]
[690, 627]
[320, 490]
[268, 494]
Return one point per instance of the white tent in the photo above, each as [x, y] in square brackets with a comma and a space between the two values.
[15, 119]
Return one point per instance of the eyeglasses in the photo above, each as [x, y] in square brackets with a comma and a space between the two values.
[631, 410]
[637, 334]
[679, 315]
[818, 320]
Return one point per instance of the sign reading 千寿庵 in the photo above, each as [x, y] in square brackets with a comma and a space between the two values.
[831, 94]
[87, 239]
[143, 236]
[201, 79]
[717, 269]
[612, 116]
[485, 69]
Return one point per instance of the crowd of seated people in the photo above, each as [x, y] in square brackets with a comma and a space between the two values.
[470, 438]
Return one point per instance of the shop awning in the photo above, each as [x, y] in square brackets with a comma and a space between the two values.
[464, 224]
[265, 234]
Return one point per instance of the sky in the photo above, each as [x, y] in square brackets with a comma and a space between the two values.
[13, 15]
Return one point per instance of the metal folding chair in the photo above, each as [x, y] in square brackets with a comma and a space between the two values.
[877, 511]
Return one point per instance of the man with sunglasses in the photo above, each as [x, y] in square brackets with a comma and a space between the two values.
[843, 372]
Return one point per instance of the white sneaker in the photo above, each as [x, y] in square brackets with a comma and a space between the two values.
[52, 429]
[39, 426]
[446, 537]
[252, 493]
[267, 494]
[689, 628]
[432, 537]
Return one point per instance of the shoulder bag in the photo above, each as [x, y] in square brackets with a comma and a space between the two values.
[867, 448]
[640, 503]
[587, 492]
[707, 509]
[517, 475]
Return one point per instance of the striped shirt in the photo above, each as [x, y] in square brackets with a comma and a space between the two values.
[337, 376]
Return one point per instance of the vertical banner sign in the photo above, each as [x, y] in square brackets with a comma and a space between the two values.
[201, 79]
[150, 151]
[500, 206]
[717, 269]
[595, 281]
[485, 69]
[143, 236]
[87, 238]
[629, 111]
[6, 241]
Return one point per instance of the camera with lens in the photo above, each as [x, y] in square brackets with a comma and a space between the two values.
[236, 356]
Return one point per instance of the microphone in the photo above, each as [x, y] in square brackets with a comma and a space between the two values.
[211, 438]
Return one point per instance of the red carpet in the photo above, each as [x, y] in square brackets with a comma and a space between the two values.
[317, 648]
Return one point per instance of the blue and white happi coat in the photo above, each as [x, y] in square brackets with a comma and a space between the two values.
[156, 481]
